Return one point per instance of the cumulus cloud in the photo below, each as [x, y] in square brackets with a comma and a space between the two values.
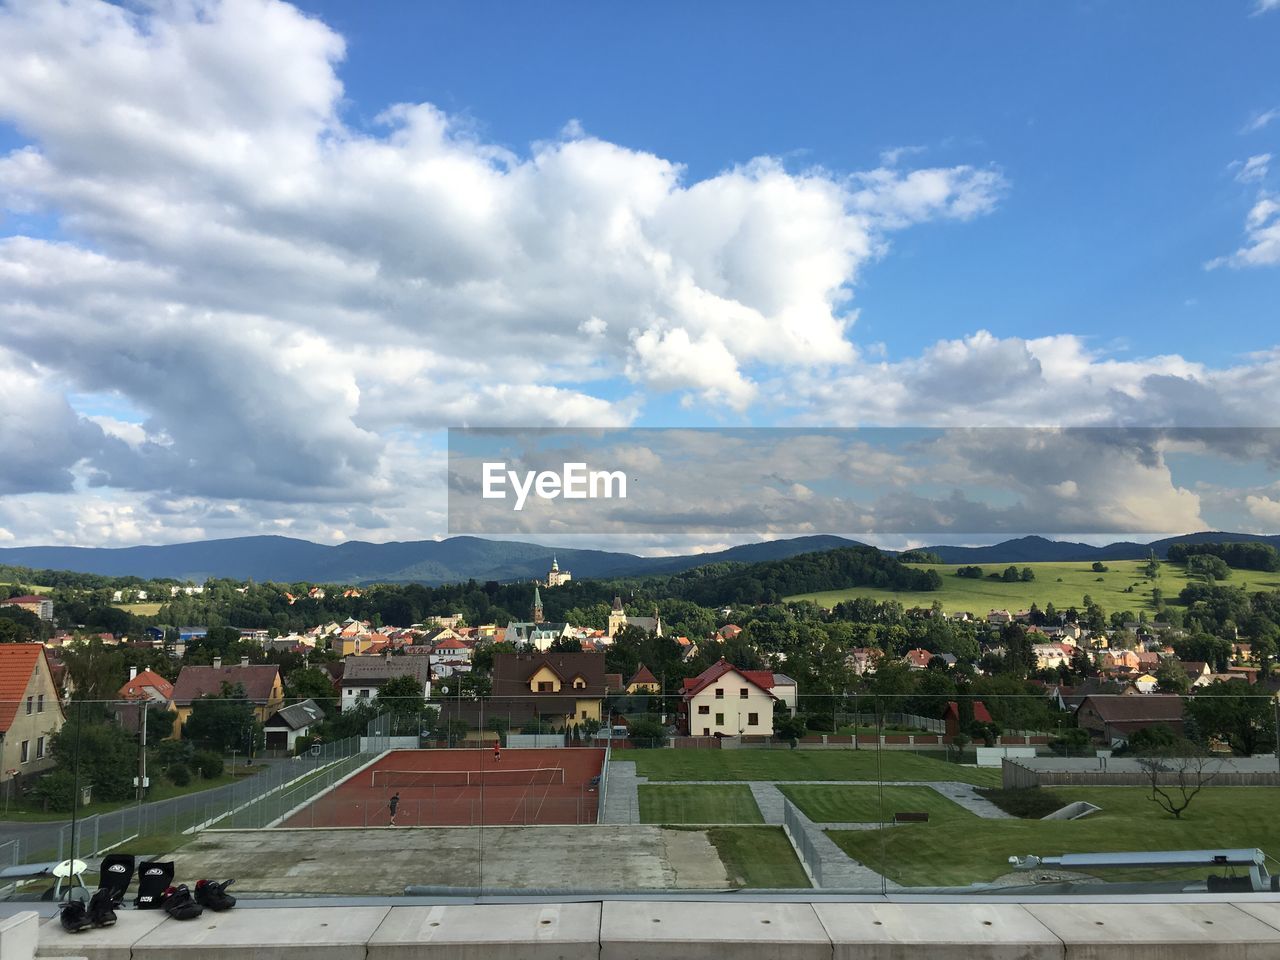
[1261, 120]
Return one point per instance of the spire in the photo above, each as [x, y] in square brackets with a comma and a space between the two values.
[617, 604]
[554, 565]
[537, 605]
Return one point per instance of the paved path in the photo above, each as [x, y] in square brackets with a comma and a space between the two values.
[622, 793]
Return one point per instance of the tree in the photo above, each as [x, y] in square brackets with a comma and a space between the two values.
[1229, 711]
[788, 728]
[1176, 774]
[647, 732]
[1171, 677]
[106, 752]
[312, 683]
[1099, 567]
[1027, 575]
[223, 722]
[401, 697]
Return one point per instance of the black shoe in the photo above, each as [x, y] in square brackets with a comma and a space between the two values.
[154, 878]
[102, 908]
[211, 894]
[178, 904]
[75, 917]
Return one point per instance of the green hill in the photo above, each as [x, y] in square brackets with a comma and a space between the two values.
[1062, 584]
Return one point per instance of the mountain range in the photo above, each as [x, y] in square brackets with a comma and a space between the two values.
[290, 560]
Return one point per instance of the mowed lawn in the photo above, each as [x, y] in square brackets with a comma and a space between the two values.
[833, 803]
[959, 851]
[772, 765]
[758, 857]
[1062, 584]
[147, 609]
[689, 803]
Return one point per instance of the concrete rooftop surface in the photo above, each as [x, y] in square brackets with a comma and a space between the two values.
[622, 929]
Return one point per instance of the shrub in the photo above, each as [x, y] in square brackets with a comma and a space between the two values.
[821, 722]
[647, 733]
[179, 774]
[208, 764]
[55, 790]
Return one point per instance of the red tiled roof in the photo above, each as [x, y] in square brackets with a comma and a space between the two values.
[761, 678]
[25, 598]
[17, 663]
[451, 643]
[643, 675]
[147, 678]
[980, 713]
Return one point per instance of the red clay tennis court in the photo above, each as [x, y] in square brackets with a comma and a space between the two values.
[445, 788]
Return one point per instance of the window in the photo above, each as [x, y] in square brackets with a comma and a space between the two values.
[578, 683]
[719, 693]
[364, 694]
[30, 703]
[40, 704]
[40, 748]
[703, 709]
[544, 686]
[584, 714]
[742, 694]
[26, 751]
[706, 731]
[719, 719]
[753, 719]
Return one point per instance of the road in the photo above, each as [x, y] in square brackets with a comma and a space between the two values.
[39, 839]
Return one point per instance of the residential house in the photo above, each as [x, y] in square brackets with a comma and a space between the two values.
[999, 618]
[726, 701]
[786, 690]
[30, 710]
[1114, 719]
[286, 725]
[363, 676]
[863, 660]
[918, 659]
[42, 607]
[260, 682]
[147, 685]
[643, 681]
[563, 689]
[951, 717]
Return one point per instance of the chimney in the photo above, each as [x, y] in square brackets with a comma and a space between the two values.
[244, 661]
[133, 672]
[217, 663]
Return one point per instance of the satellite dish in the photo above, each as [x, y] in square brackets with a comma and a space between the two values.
[444, 688]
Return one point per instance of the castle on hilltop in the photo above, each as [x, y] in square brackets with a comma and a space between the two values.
[556, 576]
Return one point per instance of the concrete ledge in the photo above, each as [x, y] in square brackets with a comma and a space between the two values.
[1171, 931]
[938, 931]
[640, 929]
[656, 930]
[550, 931]
[100, 943]
[283, 934]
[18, 935]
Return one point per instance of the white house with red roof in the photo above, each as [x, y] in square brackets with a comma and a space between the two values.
[726, 701]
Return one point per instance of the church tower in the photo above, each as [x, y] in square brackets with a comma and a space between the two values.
[617, 617]
[537, 606]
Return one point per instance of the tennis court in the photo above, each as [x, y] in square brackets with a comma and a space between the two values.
[437, 788]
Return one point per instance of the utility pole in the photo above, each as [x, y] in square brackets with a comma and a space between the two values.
[142, 752]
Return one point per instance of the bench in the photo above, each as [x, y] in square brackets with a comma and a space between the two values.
[911, 817]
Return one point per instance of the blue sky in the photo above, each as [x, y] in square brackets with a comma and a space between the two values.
[259, 256]
[1114, 122]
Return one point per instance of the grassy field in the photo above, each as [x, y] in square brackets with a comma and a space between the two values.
[1062, 584]
[692, 764]
[838, 804]
[959, 851]
[139, 609]
[758, 857]
[29, 810]
[710, 803]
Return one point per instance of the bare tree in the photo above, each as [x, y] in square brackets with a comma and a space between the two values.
[1176, 775]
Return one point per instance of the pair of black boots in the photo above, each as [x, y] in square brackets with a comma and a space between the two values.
[155, 892]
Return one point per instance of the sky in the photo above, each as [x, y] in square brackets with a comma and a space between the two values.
[256, 258]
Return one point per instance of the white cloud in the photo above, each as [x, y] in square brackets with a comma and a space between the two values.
[290, 301]
[1262, 238]
[1266, 6]
[1266, 510]
[1260, 121]
[1252, 170]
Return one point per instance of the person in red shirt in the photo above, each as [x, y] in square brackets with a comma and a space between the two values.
[497, 752]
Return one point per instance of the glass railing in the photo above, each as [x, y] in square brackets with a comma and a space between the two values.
[1081, 788]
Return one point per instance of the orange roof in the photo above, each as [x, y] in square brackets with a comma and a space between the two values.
[17, 663]
[135, 688]
[451, 643]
